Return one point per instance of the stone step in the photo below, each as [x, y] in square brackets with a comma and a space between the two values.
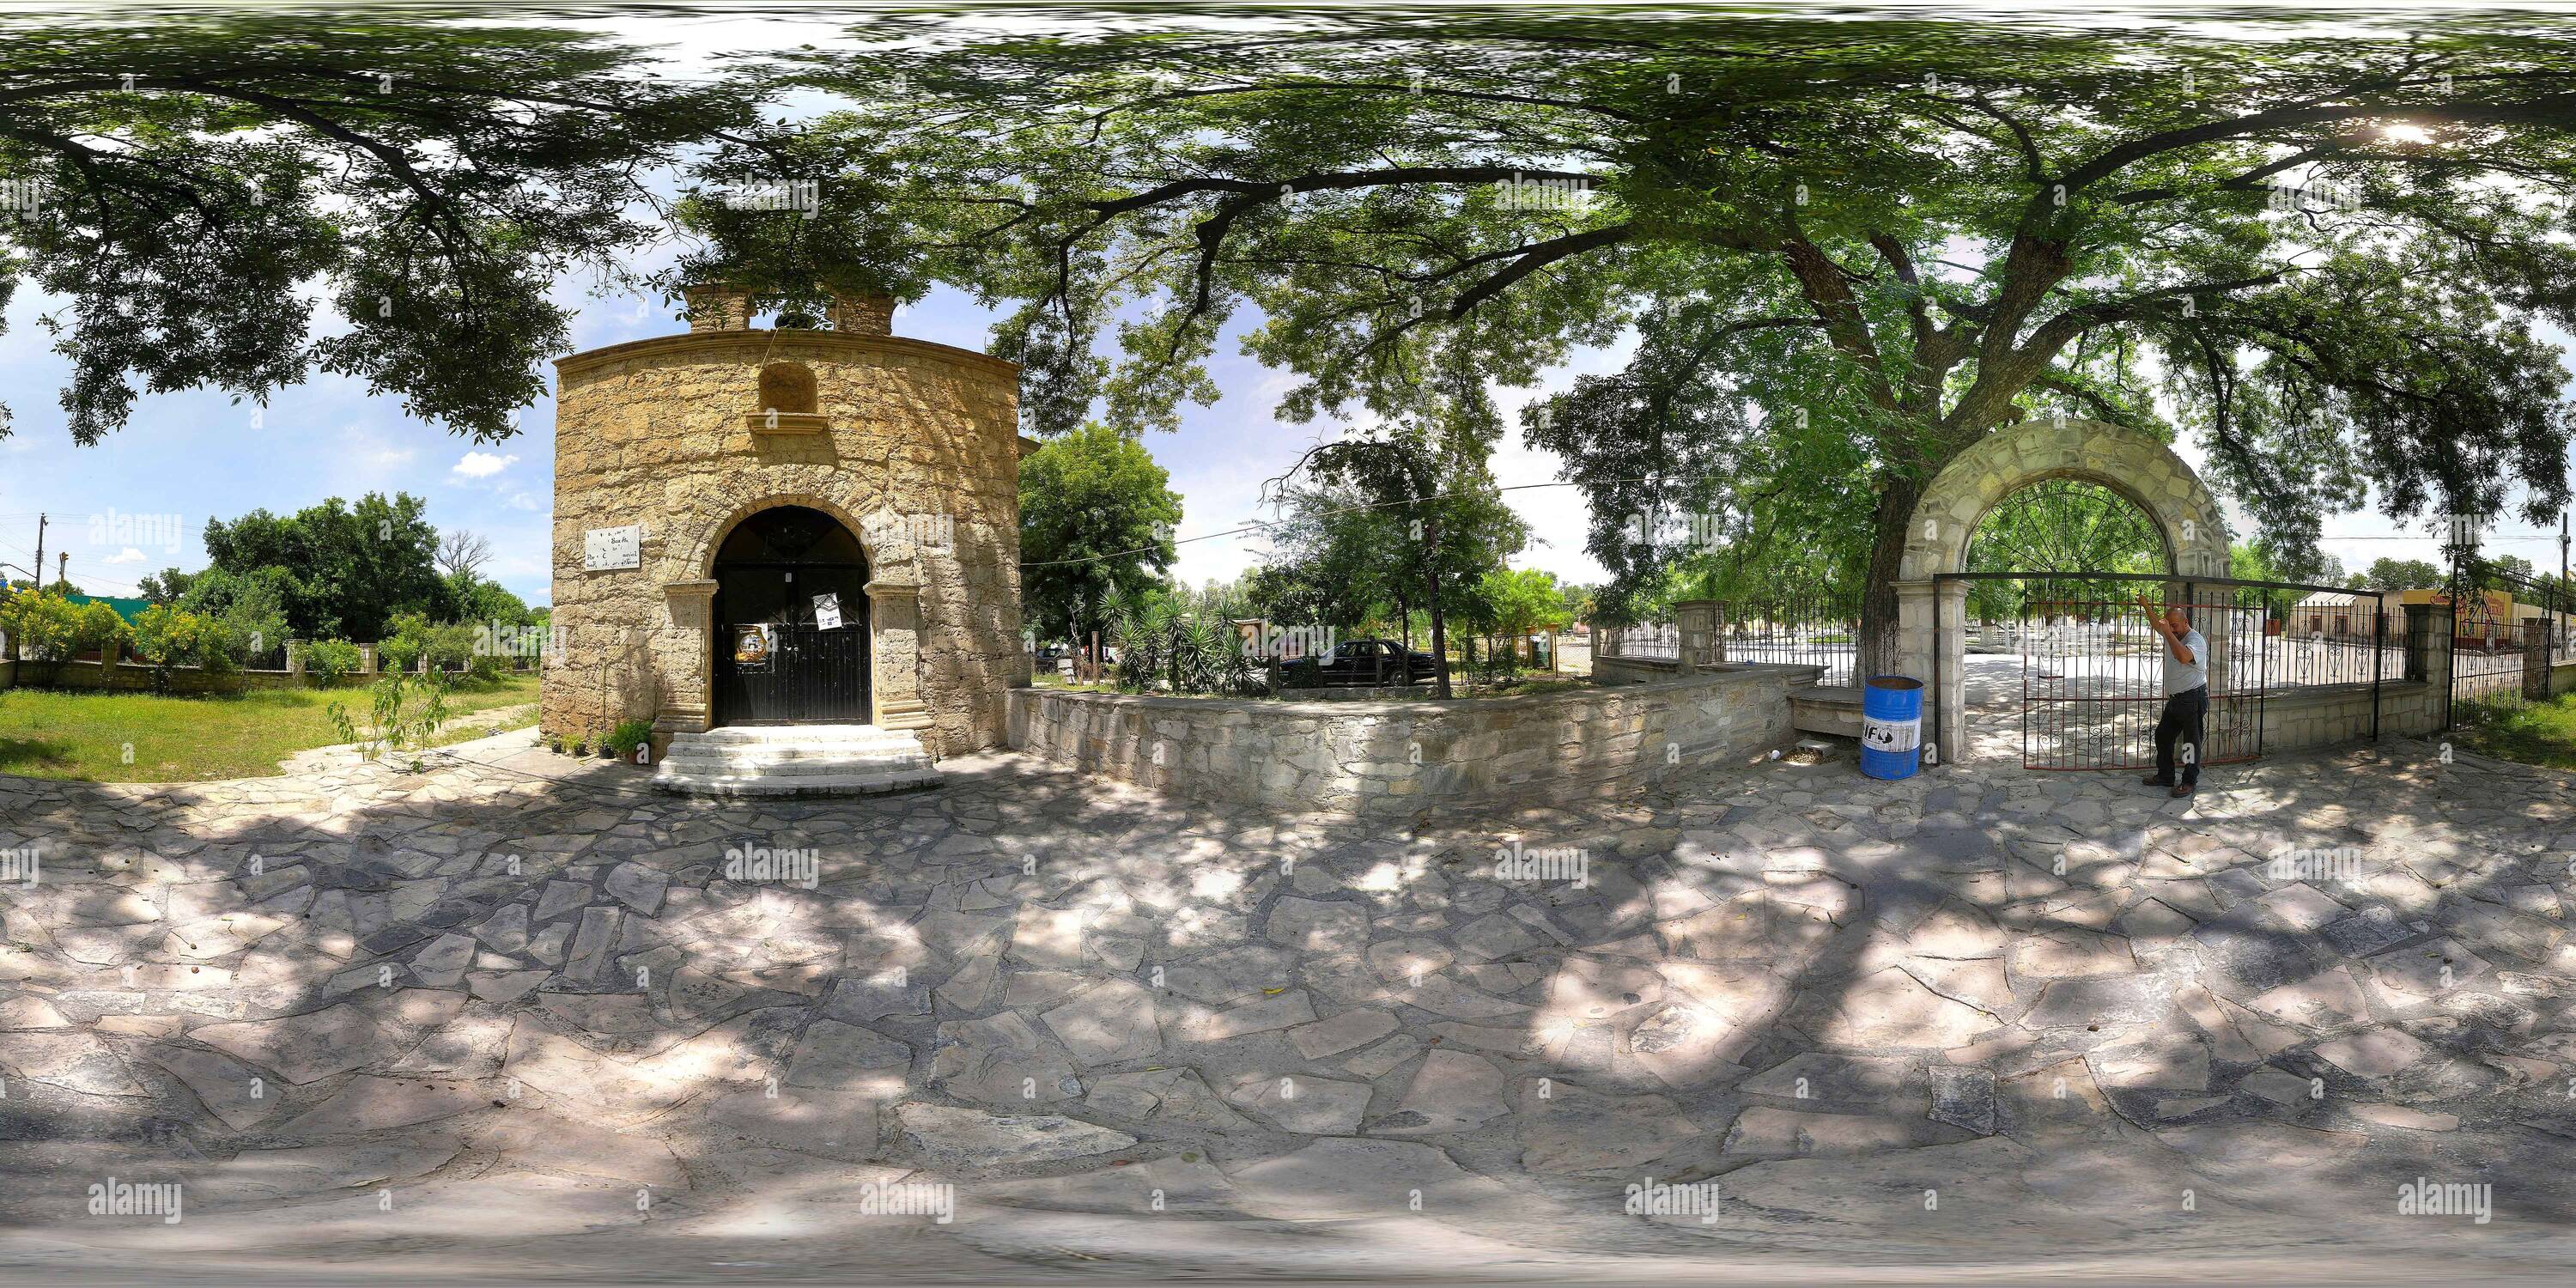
[843, 784]
[795, 760]
[807, 765]
[791, 751]
[804, 735]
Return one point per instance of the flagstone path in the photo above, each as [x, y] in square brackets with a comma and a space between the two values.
[512, 1016]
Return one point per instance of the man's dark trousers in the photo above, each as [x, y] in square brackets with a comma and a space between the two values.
[2184, 714]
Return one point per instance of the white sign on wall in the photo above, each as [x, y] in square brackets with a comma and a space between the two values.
[607, 549]
[827, 612]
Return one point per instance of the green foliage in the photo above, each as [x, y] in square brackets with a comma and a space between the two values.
[251, 607]
[341, 569]
[1097, 517]
[327, 662]
[50, 628]
[405, 710]
[2403, 574]
[1162, 646]
[166, 637]
[1848, 252]
[166, 586]
[1519, 602]
[433, 178]
[628, 735]
[2061, 526]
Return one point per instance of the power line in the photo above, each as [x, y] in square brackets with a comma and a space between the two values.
[1347, 509]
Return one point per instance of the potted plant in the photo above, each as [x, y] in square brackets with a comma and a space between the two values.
[629, 737]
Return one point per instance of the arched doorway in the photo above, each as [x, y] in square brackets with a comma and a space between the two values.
[1933, 613]
[791, 620]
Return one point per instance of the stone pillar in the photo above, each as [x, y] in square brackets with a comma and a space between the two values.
[1695, 623]
[688, 685]
[863, 314]
[2427, 642]
[1932, 641]
[717, 308]
[894, 655]
[366, 659]
[295, 657]
[2535, 658]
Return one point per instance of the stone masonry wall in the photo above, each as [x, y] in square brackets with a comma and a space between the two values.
[2330, 715]
[915, 438]
[1396, 759]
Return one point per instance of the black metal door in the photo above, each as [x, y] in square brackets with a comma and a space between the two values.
[769, 673]
[791, 622]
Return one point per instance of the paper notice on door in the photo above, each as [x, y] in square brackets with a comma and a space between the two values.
[827, 612]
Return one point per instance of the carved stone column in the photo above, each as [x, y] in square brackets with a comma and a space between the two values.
[894, 654]
[687, 655]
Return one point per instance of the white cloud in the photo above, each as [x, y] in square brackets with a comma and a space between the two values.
[523, 501]
[390, 456]
[483, 465]
[125, 556]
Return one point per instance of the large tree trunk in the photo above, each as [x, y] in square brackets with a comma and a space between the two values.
[1439, 625]
[1889, 531]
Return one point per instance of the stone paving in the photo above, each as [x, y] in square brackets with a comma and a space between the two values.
[492, 1019]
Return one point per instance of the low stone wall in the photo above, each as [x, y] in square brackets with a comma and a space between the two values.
[2331, 714]
[1397, 759]
[136, 677]
[1615, 671]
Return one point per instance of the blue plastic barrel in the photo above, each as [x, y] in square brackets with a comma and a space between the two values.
[1891, 726]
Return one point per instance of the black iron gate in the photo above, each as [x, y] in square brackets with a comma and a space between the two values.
[772, 673]
[2093, 686]
[791, 621]
[2091, 670]
[2508, 630]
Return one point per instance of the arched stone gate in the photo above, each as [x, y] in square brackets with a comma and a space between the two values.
[1931, 634]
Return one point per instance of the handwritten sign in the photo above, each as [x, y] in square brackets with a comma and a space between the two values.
[827, 612]
[608, 549]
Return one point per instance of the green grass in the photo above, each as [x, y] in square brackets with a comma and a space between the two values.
[82, 734]
[2536, 733]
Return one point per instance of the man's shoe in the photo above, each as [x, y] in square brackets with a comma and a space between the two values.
[2183, 789]
[2156, 780]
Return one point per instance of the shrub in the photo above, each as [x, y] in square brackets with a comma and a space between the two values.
[166, 637]
[50, 628]
[406, 641]
[330, 661]
[628, 735]
[398, 721]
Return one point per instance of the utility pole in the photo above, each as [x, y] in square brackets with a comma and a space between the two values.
[40, 554]
[62, 565]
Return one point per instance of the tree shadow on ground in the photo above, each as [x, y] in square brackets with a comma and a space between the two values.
[758, 1062]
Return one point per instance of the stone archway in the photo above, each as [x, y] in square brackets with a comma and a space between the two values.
[1931, 634]
[696, 530]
